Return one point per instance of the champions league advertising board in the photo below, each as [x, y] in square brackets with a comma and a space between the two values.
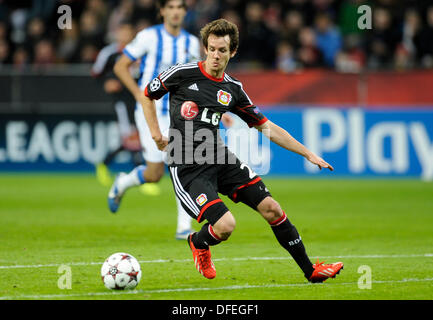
[357, 142]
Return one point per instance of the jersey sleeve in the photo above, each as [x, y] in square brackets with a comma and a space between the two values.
[140, 46]
[247, 111]
[100, 65]
[165, 82]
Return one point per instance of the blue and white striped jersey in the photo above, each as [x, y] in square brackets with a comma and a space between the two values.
[158, 51]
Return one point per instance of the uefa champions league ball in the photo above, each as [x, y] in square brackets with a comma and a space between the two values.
[121, 271]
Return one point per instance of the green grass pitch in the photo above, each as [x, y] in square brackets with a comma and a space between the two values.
[385, 226]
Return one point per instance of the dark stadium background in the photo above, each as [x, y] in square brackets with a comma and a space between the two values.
[361, 98]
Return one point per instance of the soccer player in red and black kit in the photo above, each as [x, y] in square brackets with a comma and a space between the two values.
[201, 166]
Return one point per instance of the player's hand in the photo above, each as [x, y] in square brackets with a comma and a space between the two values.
[112, 86]
[161, 142]
[314, 159]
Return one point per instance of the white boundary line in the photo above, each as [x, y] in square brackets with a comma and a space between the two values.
[374, 256]
[237, 287]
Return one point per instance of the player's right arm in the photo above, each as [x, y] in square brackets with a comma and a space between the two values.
[134, 50]
[121, 69]
[156, 89]
[149, 110]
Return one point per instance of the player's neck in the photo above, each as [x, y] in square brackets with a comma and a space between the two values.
[174, 31]
[217, 74]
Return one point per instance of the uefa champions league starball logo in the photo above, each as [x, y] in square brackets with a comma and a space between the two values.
[155, 84]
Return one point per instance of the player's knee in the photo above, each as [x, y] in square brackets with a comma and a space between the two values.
[270, 209]
[225, 226]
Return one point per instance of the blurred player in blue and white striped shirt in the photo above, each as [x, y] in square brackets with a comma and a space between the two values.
[157, 48]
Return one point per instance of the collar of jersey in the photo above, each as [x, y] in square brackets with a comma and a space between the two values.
[207, 75]
[162, 27]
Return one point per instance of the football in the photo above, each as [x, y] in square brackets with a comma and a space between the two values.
[121, 271]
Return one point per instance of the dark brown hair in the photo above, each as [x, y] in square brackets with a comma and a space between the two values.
[221, 28]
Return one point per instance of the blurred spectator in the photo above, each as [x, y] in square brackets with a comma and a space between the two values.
[18, 20]
[425, 41]
[292, 24]
[309, 55]
[43, 9]
[382, 40]
[88, 53]
[272, 15]
[5, 53]
[20, 58]
[233, 17]
[257, 41]
[270, 31]
[68, 43]
[4, 30]
[44, 53]
[36, 31]
[285, 57]
[328, 38]
[304, 6]
[99, 8]
[352, 58]
[123, 12]
[206, 11]
[407, 51]
[91, 31]
[145, 13]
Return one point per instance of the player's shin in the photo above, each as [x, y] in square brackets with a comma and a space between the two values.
[205, 237]
[289, 239]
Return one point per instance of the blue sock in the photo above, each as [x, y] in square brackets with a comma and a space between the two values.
[139, 171]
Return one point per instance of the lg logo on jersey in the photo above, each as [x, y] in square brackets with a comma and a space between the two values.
[189, 111]
[214, 118]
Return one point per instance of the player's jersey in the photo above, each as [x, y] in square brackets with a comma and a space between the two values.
[103, 69]
[197, 101]
[105, 61]
[158, 50]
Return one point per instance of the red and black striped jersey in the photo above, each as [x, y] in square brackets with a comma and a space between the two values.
[197, 102]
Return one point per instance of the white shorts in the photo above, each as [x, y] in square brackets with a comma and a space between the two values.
[151, 152]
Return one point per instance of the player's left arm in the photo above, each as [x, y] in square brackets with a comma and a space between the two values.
[285, 140]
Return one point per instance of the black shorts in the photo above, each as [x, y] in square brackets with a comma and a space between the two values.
[197, 187]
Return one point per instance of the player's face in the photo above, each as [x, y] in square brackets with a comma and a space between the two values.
[173, 13]
[218, 53]
[125, 34]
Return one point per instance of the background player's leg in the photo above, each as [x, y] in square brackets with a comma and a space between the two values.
[151, 172]
[138, 176]
[183, 222]
[286, 233]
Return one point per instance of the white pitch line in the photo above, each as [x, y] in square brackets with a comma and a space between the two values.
[374, 256]
[235, 287]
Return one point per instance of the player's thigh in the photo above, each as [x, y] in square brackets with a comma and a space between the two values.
[241, 184]
[198, 195]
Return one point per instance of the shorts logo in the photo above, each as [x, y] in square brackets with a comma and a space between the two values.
[189, 110]
[224, 97]
[201, 199]
[155, 84]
